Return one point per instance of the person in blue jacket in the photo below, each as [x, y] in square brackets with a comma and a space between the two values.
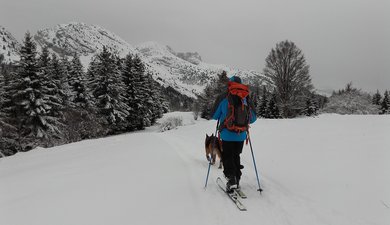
[232, 142]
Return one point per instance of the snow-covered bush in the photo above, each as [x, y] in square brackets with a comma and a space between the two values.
[350, 101]
[171, 123]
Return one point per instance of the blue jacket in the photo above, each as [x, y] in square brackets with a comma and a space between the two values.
[221, 113]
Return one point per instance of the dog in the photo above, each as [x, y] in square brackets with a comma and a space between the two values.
[213, 149]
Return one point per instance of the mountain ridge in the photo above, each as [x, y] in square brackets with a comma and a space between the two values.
[183, 71]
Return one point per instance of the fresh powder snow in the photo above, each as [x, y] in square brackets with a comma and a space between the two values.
[330, 169]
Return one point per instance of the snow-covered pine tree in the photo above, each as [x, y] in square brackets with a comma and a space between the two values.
[141, 93]
[2, 93]
[385, 105]
[79, 95]
[2, 90]
[221, 84]
[254, 98]
[130, 92]
[206, 102]
[8, 132]
[376, 99]
[59, 75]
[66, 65]
[155, 101]
[51, 86]
[273, 109]
[262, 106]
[214, 92]
[108, 90]
[31, 104]
[83, 120]
[310, 108]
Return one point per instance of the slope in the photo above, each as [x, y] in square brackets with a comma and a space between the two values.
[186, 72]
[9, 46]
[327, 170]
[182, 71]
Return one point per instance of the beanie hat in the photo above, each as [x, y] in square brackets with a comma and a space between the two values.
[235, 79]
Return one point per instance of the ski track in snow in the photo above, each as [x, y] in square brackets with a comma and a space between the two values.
[149, 177]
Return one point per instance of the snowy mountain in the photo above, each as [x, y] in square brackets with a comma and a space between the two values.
[188, 78]
[192, 57]
[9, 46]
[327, 170]
[82, 39]
[184, 72]
[187, 69]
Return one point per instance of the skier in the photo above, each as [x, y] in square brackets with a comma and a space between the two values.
[234, 114]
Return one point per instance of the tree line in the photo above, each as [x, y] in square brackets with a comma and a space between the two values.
[351, 100]
[46, 100]
[289, 91]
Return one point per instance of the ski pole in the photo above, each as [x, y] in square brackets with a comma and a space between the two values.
[209, 158]
[254, 163]
[208, 172]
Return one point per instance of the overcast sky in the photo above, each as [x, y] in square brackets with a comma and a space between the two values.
[343, 40]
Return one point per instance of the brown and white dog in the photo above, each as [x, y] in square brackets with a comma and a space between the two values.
[213, 149]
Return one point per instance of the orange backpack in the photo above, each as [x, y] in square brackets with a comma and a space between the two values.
[238, 116]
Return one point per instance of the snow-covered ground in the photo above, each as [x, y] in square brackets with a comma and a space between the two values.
[326, 170]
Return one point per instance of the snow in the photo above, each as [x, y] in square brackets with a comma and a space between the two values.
[82, 38]
[9, 46]
[188, 78]
[330, 169]
[186, 117]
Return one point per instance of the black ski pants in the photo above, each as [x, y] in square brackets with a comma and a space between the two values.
[231, 151]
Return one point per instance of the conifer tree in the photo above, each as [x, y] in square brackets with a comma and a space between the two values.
[79, 95]
[149, 101]
[59, 76]
[254, 98]
[221, 84]
[156, 101]
[2, 95]
[128, 77]
[206, 104]
[8, 132]
[31, 104]
[107, 89]
[51, 84]
[2, 90]
[262, 107]
[385, 105]
[214, 92]
[273, 109]
[311, 108]
[140, 93]
[376, 99]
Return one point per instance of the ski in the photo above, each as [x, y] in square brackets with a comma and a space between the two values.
[233, 196]
[240, 193]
